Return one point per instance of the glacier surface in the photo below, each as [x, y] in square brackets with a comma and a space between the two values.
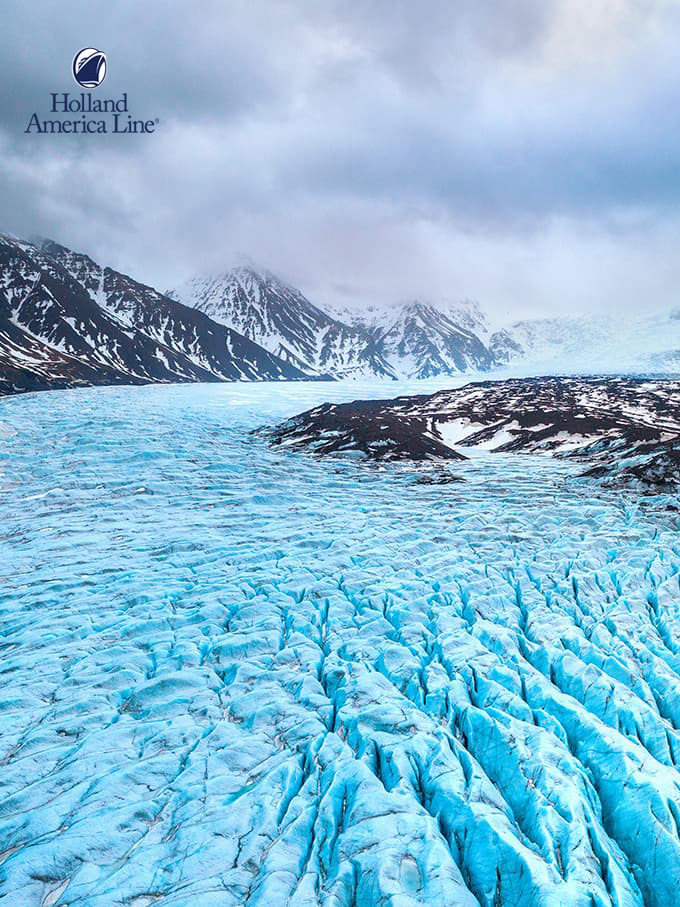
[234, 675]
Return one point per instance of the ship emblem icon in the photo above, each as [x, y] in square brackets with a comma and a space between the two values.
[89, 67]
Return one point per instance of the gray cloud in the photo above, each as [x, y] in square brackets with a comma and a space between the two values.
[527, 154]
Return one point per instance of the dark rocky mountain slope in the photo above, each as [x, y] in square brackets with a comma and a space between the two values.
[66, 322]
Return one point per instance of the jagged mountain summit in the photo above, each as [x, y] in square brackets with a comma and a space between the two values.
[223, 352]
[377, 317]
[281, 319]
[422, 341]
[65, 321]
[414, 340]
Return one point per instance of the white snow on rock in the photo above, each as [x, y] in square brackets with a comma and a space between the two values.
[278, 317]
[625, 429]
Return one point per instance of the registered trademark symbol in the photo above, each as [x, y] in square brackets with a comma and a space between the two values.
[157, 121]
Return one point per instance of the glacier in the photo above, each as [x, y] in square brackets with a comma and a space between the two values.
[238, 675]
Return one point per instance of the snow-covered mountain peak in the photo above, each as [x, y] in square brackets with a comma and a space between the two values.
[420, 337]
[263, 307]
[262, 285]
[422, 341]
[426, 314]
[371, 316]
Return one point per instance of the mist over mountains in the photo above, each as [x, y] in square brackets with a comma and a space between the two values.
[66, 321]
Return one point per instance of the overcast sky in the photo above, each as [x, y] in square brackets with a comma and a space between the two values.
[525, 153]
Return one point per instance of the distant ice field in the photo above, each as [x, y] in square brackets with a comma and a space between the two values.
[236, 675]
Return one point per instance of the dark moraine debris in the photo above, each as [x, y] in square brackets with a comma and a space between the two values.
[367, 427]
[625, 429]
[438, 478]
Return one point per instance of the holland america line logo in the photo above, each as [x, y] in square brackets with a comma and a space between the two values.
[89, 67]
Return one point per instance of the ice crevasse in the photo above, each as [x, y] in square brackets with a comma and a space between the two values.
[240, 676]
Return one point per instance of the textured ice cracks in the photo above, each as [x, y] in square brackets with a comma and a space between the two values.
[236, 675]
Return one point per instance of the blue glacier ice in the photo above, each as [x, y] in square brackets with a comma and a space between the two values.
[236, 675]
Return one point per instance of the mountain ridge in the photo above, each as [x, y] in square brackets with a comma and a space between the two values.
[280, 318]
[66, 320]
[414, 340]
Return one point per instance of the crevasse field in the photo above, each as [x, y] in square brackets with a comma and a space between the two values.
[233, 675]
